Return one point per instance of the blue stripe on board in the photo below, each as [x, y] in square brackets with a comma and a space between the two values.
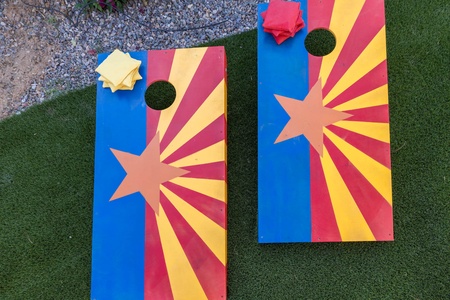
[119, 225]
[283, 168]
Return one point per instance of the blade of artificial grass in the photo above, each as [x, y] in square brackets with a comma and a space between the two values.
[46, 182]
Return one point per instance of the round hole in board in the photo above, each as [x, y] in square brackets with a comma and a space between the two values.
[320, 42]
[160, 95]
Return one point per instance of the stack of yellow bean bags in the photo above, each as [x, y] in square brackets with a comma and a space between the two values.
[119, 71]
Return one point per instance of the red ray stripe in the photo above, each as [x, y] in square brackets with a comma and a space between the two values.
[324, 226]
[212, 208]
[379, 114]
[159, 63]
[156, 283]
[376, 78]
[210, 272]
[319, 16]
[376, 210]
[369, 22]
[210, 135]
[378, 150]
[215, 170]
[205, 80]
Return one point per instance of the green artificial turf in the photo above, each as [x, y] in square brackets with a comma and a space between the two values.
[46, 186]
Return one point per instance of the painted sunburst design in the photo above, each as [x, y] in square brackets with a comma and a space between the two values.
[351, 197]
[185, 246]
[185, 222]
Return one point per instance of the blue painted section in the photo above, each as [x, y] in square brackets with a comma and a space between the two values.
[119, 225]
[283, 169]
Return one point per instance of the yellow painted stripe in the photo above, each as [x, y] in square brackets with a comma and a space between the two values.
[351, 223]
[378, 96]
[212, 234]
[185, 64]
[378, 175]
[378, 131]
[342, 20]
[372, 55]
[225, 107]
[209, 187]
[183, 281]
[210, 110]
[213, 153]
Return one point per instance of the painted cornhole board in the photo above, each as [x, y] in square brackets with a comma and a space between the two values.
[160, 201]
[324, 169]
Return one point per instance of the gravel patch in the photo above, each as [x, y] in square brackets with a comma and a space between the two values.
[65, 42]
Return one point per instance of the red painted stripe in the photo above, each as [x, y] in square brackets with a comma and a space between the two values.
[369, 22]
[211, 134]
[156, 279]
[378, 114]
[378, 150]
[214, 209]
[324, 227]
[159, 63]
[215, 170]
[156, 283]
[205, 80]
[314, 63]
[319, 16]
[319, 13]
[376, 210]
[210, 272]
[323, 222]
[375, 78]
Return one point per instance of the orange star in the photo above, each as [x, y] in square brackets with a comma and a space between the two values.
[145, 173]
[308, 117]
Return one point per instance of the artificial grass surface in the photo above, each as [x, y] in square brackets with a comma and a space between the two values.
[46, 185]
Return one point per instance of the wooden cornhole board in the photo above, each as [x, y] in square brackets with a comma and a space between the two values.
[160, 186]
[324, 170]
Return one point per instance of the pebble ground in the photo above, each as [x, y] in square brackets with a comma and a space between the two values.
[71, 38]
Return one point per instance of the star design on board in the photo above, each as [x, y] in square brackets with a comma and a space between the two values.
[308, 117]
[145, 173]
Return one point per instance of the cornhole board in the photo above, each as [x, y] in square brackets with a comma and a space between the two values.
[160, 201]
[324, 169]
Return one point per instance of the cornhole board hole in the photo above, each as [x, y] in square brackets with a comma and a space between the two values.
[160, 201]
[324, 169]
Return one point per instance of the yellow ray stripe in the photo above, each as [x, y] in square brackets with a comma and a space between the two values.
[209, 187]
[378, 96]
[183, 281]
[351, 223]
[377, 174]
[212, 234]
[378, 131]
[213, 153]
[371, 57]
[210, 110]
[185, 63]
[342, 20]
